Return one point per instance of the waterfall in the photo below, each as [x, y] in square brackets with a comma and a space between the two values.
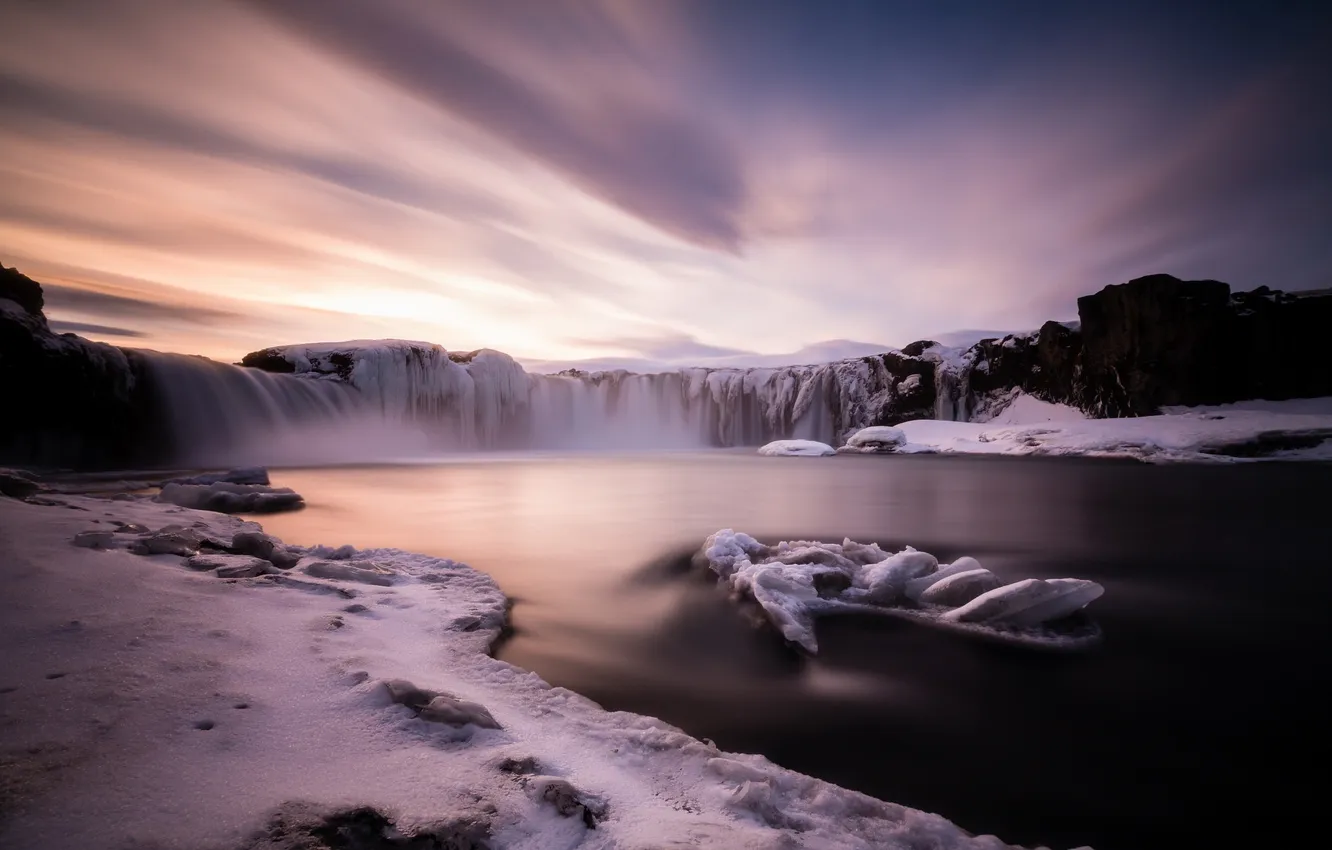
[365, 401]
[220, 415]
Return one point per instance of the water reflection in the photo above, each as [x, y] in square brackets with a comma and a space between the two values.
[1204, 676]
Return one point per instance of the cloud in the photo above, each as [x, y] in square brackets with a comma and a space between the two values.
[651, 158]
[60, 297]
[84, 328]
[666, 346]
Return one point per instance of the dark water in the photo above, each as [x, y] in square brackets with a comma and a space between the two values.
[1201, 720]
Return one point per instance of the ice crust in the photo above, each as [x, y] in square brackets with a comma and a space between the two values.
[797, 581]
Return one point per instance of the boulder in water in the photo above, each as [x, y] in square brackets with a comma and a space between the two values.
[876, 438]
[227, 498]
[243, 475]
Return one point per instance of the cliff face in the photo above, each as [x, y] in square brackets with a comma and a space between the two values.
[1148, 343]
[1158, 341]
[68, 402]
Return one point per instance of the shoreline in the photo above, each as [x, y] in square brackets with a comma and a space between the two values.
[310, 668]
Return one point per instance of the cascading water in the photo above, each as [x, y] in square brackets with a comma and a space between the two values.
[362, 401]
[221, 415]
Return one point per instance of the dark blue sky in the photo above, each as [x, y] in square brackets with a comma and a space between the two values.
[573, 178]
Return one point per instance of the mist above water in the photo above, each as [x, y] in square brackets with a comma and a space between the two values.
[392, 407]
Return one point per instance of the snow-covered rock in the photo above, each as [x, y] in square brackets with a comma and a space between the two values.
[796, 448]
[876, 438]
[796, 582]
[1196, 435]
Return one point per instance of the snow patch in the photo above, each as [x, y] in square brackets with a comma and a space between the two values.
[129, 678]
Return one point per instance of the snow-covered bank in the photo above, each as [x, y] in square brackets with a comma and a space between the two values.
[1299, 429]
[147, 702]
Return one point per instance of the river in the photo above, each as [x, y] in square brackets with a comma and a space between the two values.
[1194, 722]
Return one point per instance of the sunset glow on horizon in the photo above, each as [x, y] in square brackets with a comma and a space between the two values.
[569, 179]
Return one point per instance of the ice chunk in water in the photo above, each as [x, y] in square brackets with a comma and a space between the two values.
[1029, 602]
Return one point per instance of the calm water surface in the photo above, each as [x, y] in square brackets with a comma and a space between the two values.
[1200, 720]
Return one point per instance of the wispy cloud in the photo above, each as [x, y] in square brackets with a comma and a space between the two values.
[565, 178]
[93, 330]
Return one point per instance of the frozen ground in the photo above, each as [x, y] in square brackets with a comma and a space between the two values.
[149, 702]
[1299, 430]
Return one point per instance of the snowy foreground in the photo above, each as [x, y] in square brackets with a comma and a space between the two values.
[1300, 429]
[797, 581]
[280, 697]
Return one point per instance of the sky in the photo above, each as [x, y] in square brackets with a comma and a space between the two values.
[561, 179]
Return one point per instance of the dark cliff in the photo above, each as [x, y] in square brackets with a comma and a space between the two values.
[1158, 341]
[68, 402]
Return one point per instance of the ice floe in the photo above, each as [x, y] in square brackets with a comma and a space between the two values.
[797, 581]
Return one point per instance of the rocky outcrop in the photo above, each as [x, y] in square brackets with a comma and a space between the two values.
[1159, 340]
[68, 402]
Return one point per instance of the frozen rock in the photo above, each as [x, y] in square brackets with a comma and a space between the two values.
[172, 540]
[16, 484]
[227, 498]
[403, 692]
[94, 539]
[568, 800]
[365, 572]
[230, 566]
[450, 710]
[1028, 603]
[244, 475]
[340, 553]
[877, 438]
[796, 448]
[524, 766]
[299, 825]
[265, 546]
[960, 588]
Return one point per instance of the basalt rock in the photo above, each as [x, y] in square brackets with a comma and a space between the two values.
[1159, 340]
[70, 403]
